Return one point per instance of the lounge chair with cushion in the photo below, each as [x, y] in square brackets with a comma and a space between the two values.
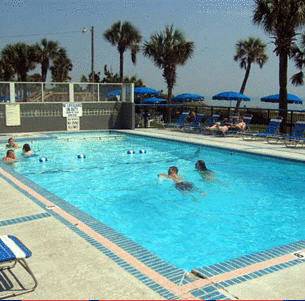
[297, 136]
[13, 252]
[272, 130]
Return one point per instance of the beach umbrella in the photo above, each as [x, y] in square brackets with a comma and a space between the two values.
[291, 98]
[231, 95]
[187, 97]
[153, 100]
[137, 91]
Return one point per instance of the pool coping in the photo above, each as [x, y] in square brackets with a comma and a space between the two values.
[168, 280]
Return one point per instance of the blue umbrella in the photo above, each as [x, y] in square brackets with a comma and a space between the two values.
[291, 98]
[185, 97]
[153, 100]
[137, 91]
[231, 95]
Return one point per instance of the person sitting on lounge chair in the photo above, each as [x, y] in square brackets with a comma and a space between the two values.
[240, 126]
[191, 117]
[10, 157]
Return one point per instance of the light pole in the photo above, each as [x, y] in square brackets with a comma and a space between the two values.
[84, 30]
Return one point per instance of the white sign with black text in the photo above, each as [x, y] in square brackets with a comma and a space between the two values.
[73, 123]
[72, 110]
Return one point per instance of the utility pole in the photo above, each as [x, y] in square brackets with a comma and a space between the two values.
[92, 53]
[84, 30]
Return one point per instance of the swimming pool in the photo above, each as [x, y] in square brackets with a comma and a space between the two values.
[254, 203]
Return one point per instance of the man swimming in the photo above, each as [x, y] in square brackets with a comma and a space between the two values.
[26, 150]
[172, 174]
[206, 174]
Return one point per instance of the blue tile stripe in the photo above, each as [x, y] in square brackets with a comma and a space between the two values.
[209, 293]
[260, 273]
[23, 219]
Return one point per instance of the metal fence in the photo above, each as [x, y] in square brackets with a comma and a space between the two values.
[260, 118]
[37, 92]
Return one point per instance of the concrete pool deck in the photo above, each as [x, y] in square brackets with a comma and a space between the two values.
[68, 267]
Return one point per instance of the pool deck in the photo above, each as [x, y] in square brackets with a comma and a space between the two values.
[74, 260]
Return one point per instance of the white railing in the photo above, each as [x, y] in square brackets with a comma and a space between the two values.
[65, 92]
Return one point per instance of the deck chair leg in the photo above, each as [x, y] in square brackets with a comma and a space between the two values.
[26, 267]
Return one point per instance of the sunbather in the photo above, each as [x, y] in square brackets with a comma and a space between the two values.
[217, 127]
[240, 126]
[191, 117]
[10, 157]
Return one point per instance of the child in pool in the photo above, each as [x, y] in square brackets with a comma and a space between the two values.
[11, 143]
[10, 157]
[206, 174]
[179, 183]
[26, 150]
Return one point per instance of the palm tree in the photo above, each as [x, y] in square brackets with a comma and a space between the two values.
[46, 51]
[21, 57]
[281, 19]
[124, 36]
[248, 52]
[62, 65]
[168, 49]
[7, 72]
[299, 59]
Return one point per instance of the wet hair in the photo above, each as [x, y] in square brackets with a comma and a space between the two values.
[26, 147]
[172, 169]
[9, 152]
[10, 139]
[200, 165]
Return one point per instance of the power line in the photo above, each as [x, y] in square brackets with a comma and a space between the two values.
[40, 34]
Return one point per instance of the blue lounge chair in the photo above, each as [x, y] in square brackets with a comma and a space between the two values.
[272, 130]
[181, 120]
[13, 252]
[195, 125]
[297, 135]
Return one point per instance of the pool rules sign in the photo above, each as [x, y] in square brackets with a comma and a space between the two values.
[72, 112]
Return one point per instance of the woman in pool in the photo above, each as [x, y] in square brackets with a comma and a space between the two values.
[179, 183]
[11, 143]
[10, 157]
[206, 174]
[26, 150]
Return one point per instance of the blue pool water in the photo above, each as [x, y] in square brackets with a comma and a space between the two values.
[254, 203]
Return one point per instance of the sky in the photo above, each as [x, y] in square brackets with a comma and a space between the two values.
[213, 25]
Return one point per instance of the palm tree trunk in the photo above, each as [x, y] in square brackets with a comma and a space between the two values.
[283, 69]
[243, 86]
[121, 66]
[169, 101]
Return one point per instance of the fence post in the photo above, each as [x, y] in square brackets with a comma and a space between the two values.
[123, 93]
[131, 93]
[12, 93]
[71, 92]
[98, 92]
[291, 121]
[42, 92]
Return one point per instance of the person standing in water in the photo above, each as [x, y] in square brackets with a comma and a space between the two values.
[205, 173]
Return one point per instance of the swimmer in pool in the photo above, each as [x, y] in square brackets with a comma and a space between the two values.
[10, 157]
[206, 174]
[26, 150]
[179, 183]
[11, 143]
